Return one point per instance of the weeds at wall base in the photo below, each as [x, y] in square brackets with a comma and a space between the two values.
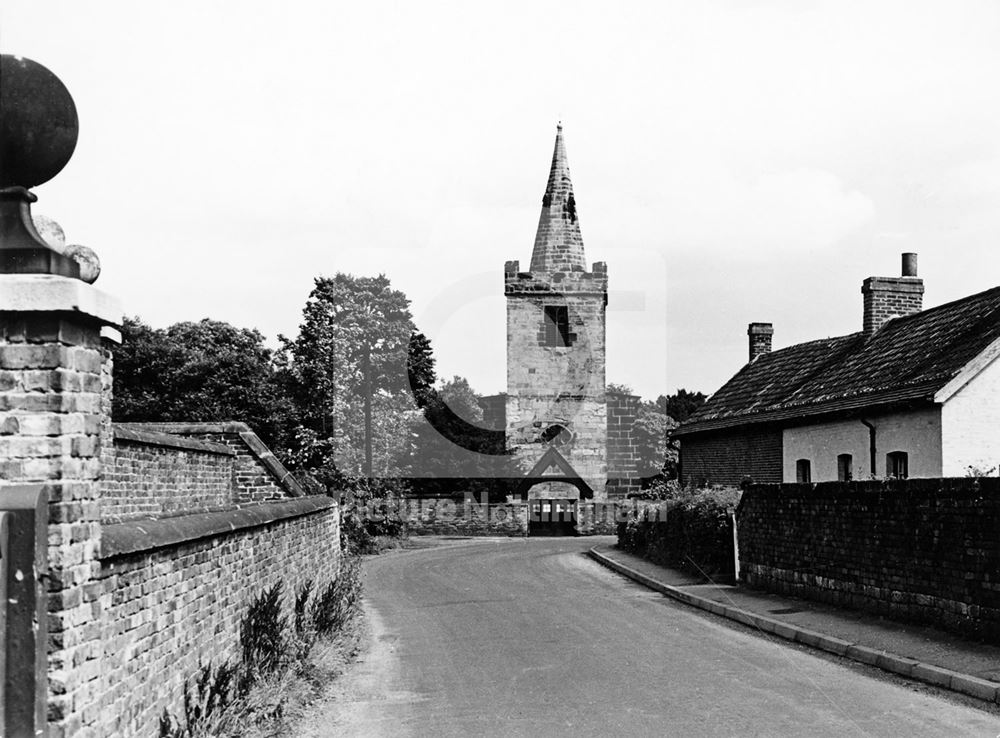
[229, 699]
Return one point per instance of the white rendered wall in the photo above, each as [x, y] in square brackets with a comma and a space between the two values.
[917, 432]
[971, 425]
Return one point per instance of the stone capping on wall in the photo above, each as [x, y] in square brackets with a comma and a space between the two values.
[153, 438]
[137, 536]
[263, 454]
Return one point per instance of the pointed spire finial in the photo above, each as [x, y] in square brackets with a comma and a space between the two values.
[558, 242]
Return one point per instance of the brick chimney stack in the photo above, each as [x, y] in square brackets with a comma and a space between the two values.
[892, 297]
[760, 339]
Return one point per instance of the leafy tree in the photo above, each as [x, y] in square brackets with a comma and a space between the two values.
[199, 372]
[682, 404]
[420, 368]
[613, 388]
[650, 433]
[348, 368]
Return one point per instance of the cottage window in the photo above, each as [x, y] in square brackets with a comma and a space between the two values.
[557, 326]
[845, 467]
[897, 465]
[803, 471]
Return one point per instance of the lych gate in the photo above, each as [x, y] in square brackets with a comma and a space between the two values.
[552, 489]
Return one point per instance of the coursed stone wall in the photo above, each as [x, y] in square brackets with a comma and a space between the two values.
[924, 550]
[558, 385]
[464, 517]
[173, 593]
[598, 518]
[468, 517]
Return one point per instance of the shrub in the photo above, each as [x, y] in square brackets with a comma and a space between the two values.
[692, 530]
[369, 510]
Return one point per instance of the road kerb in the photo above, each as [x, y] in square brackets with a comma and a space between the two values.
[938, 676]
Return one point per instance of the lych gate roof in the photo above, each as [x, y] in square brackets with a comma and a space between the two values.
[558, 242]
[909, 358]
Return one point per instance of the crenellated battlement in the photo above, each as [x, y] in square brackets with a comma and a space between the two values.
[577, 281]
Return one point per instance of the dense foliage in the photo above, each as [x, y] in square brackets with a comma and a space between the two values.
[682, 404]
[348, 376]
[690, 529]
[200, 372]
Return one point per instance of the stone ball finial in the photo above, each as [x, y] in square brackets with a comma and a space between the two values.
[50, 231]
[86, 257]
[38, 123]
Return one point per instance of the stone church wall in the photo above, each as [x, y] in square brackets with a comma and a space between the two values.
[552, 385]
[463, 516]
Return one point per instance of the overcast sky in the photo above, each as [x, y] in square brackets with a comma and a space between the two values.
[732, 161]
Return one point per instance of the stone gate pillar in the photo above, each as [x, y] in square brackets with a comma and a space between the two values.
[50, 387]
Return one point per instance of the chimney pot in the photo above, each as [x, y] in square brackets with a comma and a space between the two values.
[760, 339]
[909, 265]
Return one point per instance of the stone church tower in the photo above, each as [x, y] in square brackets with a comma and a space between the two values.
[556, 409]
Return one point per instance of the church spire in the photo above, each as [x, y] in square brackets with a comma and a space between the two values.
[558, 243]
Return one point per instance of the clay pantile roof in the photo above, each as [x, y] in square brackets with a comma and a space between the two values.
[558, 242]
[909, 358]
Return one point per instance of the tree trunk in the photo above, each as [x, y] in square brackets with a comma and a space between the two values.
[368, 412]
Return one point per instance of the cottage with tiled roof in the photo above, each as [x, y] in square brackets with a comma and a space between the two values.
[916, 393]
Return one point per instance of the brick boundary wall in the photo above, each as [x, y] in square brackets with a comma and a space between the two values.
[173, 593]
[147, 474]
[258, 475]
[724, 457]
[922, 550]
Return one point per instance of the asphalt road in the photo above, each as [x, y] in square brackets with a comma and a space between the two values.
[529, 637]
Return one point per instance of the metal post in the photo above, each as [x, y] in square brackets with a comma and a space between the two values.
[4, 558]
[736, 546]
[25, 565]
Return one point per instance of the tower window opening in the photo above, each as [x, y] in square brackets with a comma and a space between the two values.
[556, 435]
[557, 326]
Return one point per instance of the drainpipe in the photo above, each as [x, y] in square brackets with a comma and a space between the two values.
[871, 445]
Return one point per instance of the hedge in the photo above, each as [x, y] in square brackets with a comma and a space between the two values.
[692, 531]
